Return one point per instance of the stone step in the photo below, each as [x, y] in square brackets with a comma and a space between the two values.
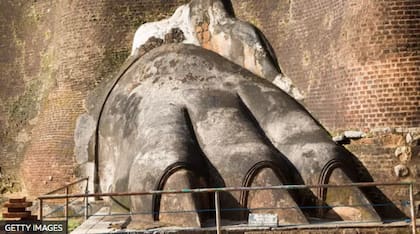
[16, 215]
[16, 209]
[13, 210]
[17, 200]
[17, 204]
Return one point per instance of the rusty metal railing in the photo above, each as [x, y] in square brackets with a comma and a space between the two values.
[216, 191]
[66, 196]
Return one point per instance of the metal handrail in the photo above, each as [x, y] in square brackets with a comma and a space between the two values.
[66, 196]
[226, 189]
[67, 185]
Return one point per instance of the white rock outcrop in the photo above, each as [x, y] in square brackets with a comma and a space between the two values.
[208, 24]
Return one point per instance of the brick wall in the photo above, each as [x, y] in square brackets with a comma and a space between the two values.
[11, 84]
[62, 51]
[24, 52]
[383, 152]
[356, 61]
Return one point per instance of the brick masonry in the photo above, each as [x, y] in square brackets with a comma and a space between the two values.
[358, 64]
[356, 61]
[56, 51]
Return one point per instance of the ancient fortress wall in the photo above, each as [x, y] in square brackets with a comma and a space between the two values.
[357, 63]
[53, 53]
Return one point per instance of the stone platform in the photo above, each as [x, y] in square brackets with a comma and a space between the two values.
[102, 222]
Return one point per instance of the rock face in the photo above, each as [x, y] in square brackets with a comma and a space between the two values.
[205, 113]
[209, 25]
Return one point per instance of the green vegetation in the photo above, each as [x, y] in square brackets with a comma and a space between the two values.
[74, 223]
[24, 108]
[111, 62]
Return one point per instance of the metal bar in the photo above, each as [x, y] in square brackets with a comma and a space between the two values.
[413, 215]
[40, 208]
[66, 211]
[217, 206]
[86, 205]
[369, 184]
[67, 185]
[126, 65]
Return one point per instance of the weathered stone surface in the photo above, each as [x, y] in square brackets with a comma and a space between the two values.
[348, 203]
[354, 134]
[347, 213]
[278, 202]
[403, 153]
[401, 171]
[174, 207]
[208, 24]
[181, 107]
[85, 128]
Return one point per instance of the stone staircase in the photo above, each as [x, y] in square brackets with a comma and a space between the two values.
[16, 210]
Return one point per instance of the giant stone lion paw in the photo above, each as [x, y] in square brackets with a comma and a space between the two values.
[184, 117]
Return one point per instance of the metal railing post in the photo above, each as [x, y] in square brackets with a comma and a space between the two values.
[412, 209]
[40, 208]
[66, 211]
[217, 206]
[86, 205]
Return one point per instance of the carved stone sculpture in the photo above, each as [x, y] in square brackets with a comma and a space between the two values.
[205, 113]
